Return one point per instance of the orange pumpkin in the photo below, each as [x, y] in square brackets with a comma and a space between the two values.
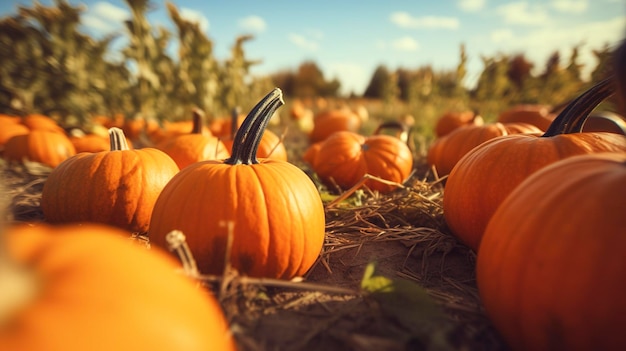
[117, 187]
[330, 121]
[270, 209]
[43, 146]
[89, 142]
[540, 116]
[345, 157]
[193, 147]
[9, 129]
[37, 121]
[446, 151]
[550, 267]
[86, 287]
[452, 120]
[488, 173]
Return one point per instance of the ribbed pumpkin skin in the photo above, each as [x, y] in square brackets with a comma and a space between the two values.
[446, 151]
[487, 174]
[118, 188]
[101, 292]
[49, 148]
[275, 210]
[190, 148]
[551, 267]
[346, 157]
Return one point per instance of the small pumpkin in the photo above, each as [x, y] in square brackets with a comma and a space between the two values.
[9, 129]
[47, 147]
[551, 265]
[452, 120]
[538, 115]
[446, 151]
[87, 287]
[193, 147]
[334, 120]
[345, 157]
[88, 142]
[481, 180]
[270, 209]
[35, 121]
[117, 187]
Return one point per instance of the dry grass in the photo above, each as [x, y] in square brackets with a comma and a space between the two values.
[403, 232]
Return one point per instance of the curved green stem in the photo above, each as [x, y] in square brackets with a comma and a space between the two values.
[248, 137]
[574, 115]
[117, 139]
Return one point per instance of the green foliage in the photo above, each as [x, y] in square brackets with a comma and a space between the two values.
[307, 82]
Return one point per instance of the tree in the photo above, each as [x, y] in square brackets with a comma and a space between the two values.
[375, 87]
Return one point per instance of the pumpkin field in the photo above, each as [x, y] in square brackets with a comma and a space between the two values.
[159, 213]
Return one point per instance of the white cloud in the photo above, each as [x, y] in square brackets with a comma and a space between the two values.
[570, 6]
[303, 42]
[253, 23]
[405, 44]
[471, 5]
[405, 20]
[105, 18]
[195, 17]
[523, 13]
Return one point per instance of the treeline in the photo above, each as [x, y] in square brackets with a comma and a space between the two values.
[48, 65]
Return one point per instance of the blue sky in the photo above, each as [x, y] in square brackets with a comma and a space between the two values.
[348, 40]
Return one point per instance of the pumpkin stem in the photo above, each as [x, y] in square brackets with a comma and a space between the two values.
[117, 139]
[197, 116]
[402, 130]
[234, 121]
[248, 137]
[574, 115]
[177, 243]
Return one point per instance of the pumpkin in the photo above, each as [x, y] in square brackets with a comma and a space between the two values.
[270, 209]
[345, 157]
[334, 120]
[37, 121]
[88, 142]
[540, 116]
[444, 152]
[270, 146]
[117, 187]
[550, 267]
[9, 129]
[488, 173]
[43, 146]
[223, 127]
[87, 287]
[193, 147]
[452, 120]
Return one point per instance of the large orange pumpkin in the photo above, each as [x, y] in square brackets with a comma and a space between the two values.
[345, 157]
[43, 146]
[117, 187]
[87, 287]
[196, 146]
[446, 151]
[488, 173]
[270, 209]
[551, 267]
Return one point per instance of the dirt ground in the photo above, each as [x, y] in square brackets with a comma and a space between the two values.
[433, 302]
